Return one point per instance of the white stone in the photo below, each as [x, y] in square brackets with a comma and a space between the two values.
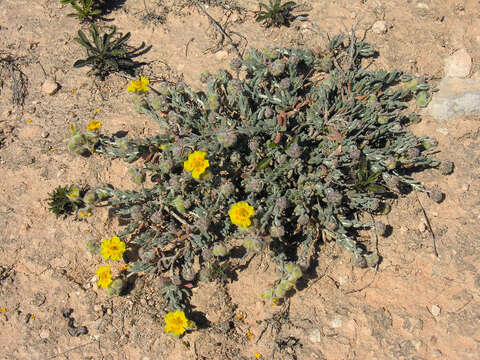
[336, 323]
[422, 5]
[436, 310]
[50, 86]
[44, 334]
[379, 27]
[458, 65]
[315, 336]
[456, 98]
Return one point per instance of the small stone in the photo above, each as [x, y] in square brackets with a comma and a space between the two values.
[45, 134]
[44, 334]
[456, 98]
[443, 131]
[38, 299]
[422, 5]
[379, 27]
[436, 310]
[458, 65]
[109, 311]
[315, 336]
[336, 323]
[221, 55]
[422, 227]
[97, 308]
[436, 354]
[50, 86]
[465, 187]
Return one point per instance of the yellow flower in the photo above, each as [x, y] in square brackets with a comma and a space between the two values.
[112, 248]
[196, 163]
[104, 276]
[74, 193]
[2, 310]
[258, 356]
[94, 125]
[85, 212]
[96, 111]
[240, 214]
[176, 323]
[140, 86]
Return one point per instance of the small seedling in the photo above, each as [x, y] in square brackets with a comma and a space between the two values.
[106, 54]
[87, 10]
[64, 200]
[276, 13]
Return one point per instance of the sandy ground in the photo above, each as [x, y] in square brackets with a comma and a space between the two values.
[418, 306]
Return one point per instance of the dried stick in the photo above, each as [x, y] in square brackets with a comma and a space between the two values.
[219, 28]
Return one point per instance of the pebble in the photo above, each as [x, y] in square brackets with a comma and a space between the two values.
[45, 134]
[422, 5]
[422, 227]
[459, 64]
[443, 131]
[315, 336]
[44, 334]
[97, 308]
[336, 323]
[456, 98]
[109, 311]
[380, 27]
[50, 86]
[436, 310]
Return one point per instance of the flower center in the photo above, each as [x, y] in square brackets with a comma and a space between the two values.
[197, 163]
[243, 213]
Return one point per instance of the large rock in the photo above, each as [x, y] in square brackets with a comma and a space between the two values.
[456, 97]
[458, 65]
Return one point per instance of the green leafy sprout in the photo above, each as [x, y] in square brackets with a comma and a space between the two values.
[276, 13]
[87, 10]
[107, 54]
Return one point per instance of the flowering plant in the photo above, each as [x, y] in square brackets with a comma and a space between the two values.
[276, 160]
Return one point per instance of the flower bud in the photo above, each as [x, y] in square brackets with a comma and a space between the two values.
[219, 250]
[136, 213]
[285, 83]
[236, 64]
[334, 197]
[213, 103]
[267, 294]
[277, 231]
[285, 285]
[294, 150]
[279, 291]
[253, 244]
[268, 112]
[90, 197]
[281, 203]
[227, 189]
[116, 287]
[277, 68]
[446, 167]
[179, 204]
[227, 138]
[436, 195]
[74, 193]
[380, 228]
[136, 176]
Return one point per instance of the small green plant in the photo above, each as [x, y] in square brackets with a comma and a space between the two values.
[276, 13]
[87, 10]
[107, 54]
[64, 200]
